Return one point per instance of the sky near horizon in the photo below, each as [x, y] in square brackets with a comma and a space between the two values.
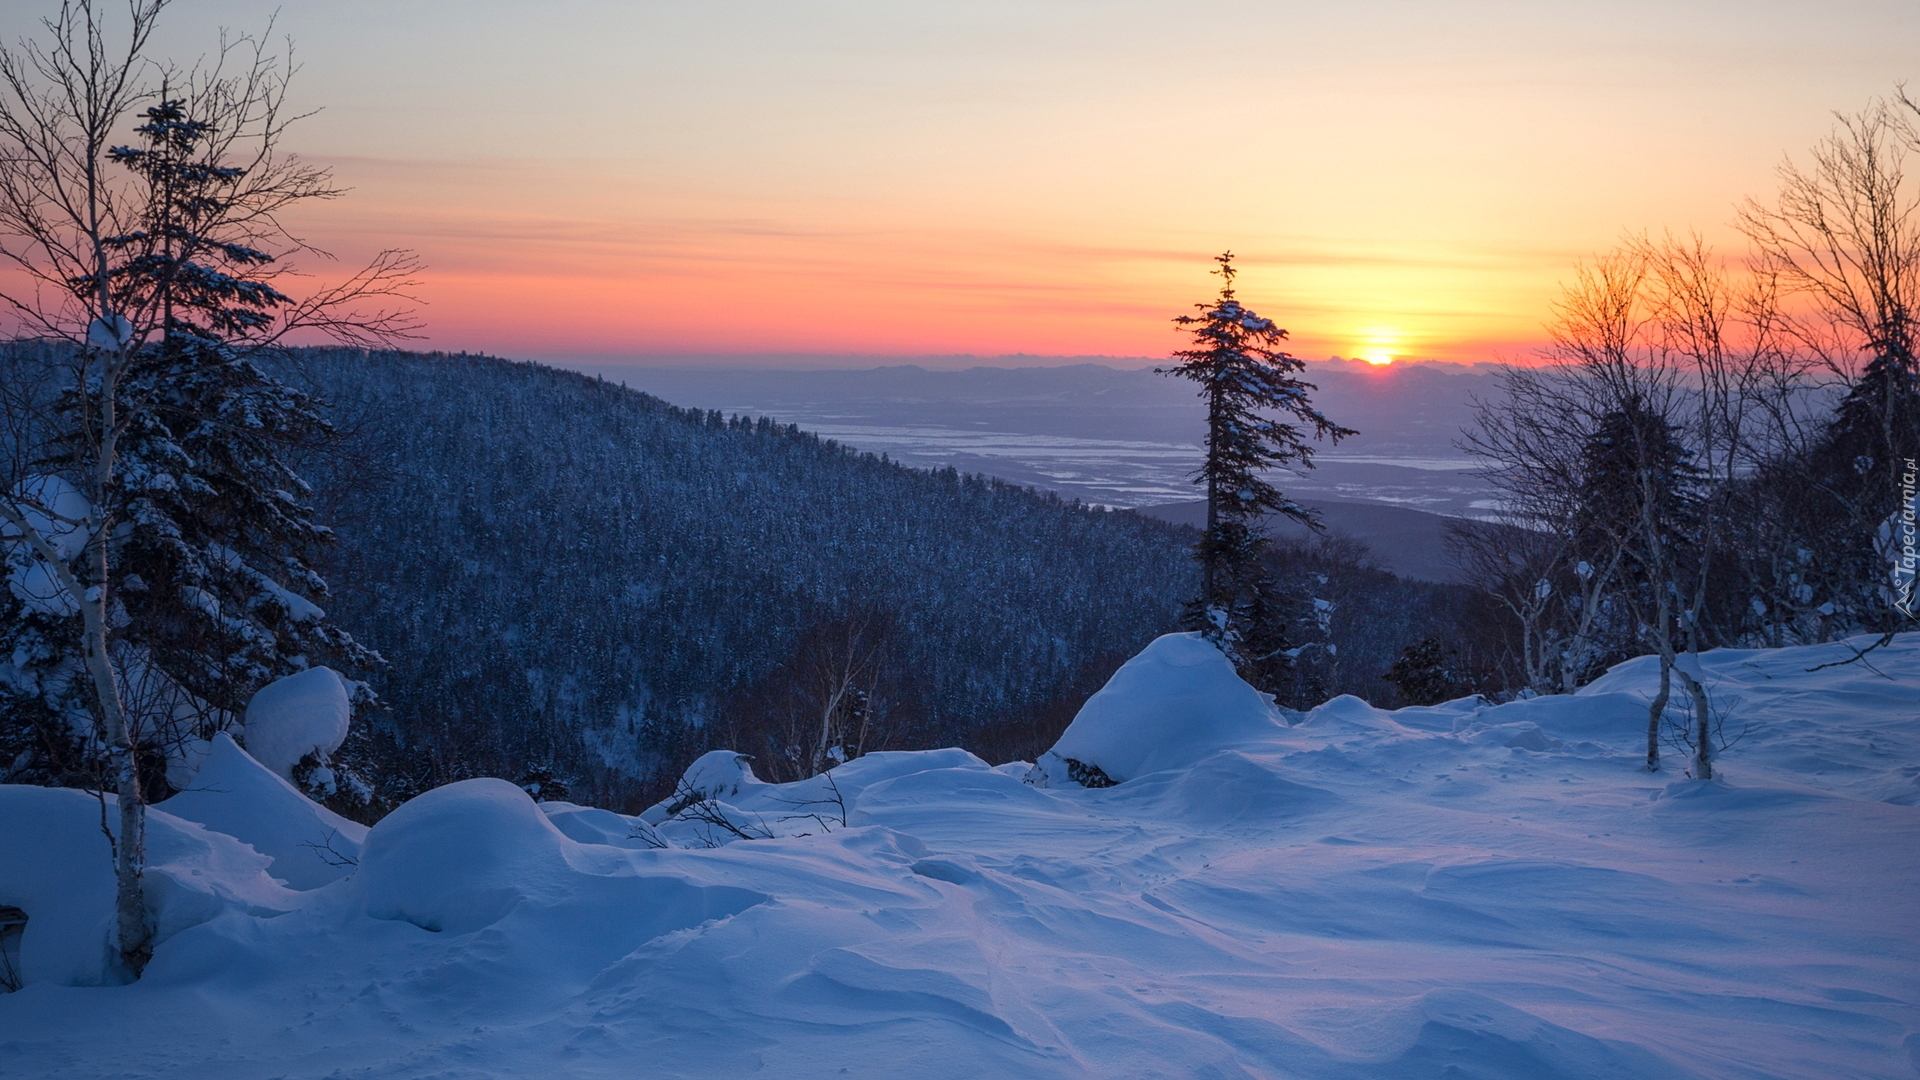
[754, 180]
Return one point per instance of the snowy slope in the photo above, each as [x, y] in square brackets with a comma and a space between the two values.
[1463, 890]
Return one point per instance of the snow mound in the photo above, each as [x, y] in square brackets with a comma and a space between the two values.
[57, 866]
[719, 801]
[303, 713]
[1617, 718]
[232, 793]
[525, 913]
[1227, 788]
[592, 825]
[474, 854]
[460, 857]
[1176, 703]
[1348, 713]
[1444, 717]
[865, 771]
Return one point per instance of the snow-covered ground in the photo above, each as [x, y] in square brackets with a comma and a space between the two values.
[1460, 891]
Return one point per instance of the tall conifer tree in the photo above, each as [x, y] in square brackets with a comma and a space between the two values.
[1244, 375]
[155, 540]
[216, 589]
[1857, 466]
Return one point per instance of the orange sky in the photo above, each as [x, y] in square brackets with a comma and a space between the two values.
[1045, 177]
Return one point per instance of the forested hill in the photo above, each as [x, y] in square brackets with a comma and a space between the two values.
[567, 574]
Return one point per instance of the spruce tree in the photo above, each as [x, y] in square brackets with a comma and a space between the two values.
[213, 552]
[1244, 375]
[1424, 674]
[1636, 470]
[153, 281]
[1857, 467]
[1640, 489]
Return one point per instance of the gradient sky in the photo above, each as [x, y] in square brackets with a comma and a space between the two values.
[1048, 177]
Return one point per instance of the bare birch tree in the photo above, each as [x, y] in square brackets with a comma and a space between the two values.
[97, 258]
[829, 702]
[1842, 239]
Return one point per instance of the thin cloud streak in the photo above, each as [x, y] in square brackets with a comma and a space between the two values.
[1040, 178]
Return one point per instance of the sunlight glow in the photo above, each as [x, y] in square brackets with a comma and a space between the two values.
[1379, 345]
[884, 180]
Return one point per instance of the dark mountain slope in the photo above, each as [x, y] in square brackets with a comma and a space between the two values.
[563, 572]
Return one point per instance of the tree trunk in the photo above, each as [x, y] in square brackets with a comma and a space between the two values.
[1526, 653]
[130, 854]
[1589, 603]
[1209, 566]
[826, 723]
[1702, 721]
[1654, 711]
[131, 927]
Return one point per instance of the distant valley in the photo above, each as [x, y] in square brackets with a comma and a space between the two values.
[1130, 438]
[1122, 437]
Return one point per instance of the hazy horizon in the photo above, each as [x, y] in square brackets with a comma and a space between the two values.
[830, 362]
[1118, 436]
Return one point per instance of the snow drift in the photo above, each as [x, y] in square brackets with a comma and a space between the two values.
[236, 795]
[56, 864]
[1461, 890]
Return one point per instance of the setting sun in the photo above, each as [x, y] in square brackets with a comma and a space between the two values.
[1379, 345]
[1018, 154]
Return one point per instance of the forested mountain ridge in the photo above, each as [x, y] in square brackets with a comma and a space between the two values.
[569, 577]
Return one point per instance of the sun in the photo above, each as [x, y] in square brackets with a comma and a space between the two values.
[1378, 345]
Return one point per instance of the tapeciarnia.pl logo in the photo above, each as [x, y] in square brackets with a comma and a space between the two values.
[1902, 539]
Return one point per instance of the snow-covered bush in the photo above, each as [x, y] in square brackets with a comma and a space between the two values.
[701, 802]
[303, 714]
[57, 511]
[1175, 704]
[719, 774]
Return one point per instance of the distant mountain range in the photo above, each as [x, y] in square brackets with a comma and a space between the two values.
[1401, 410]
